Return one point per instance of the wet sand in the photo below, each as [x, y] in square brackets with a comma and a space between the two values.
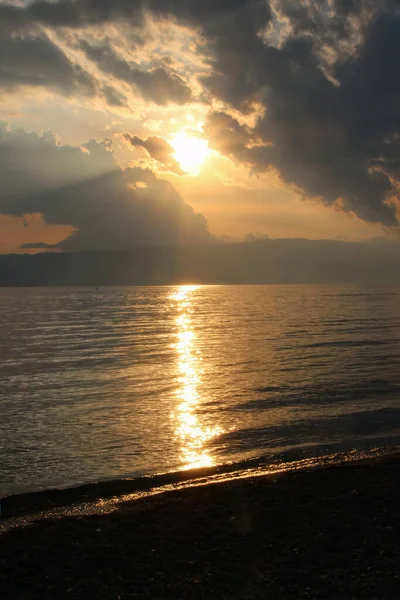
[323, 533]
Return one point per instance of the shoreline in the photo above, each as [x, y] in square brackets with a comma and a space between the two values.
[52, 500]
[328, 532]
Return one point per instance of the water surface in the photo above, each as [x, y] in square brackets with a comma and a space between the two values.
[115, 382]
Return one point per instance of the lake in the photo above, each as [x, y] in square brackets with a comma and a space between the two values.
[119, 382]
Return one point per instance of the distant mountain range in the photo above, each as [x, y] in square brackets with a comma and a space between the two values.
[267, 261]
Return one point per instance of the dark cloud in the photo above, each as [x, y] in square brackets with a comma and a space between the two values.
[330, 130]
[71, 13]
[82, 13]
[157, 85]
[159, 149]
[37, 61]
[83, 187]
[33, 59]
[236, 53]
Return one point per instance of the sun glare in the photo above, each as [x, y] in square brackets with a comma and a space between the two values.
[190, 152]
[192, 433]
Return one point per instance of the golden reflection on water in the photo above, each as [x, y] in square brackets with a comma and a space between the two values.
[192, 435]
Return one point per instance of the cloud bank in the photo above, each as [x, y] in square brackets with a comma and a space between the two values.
[83, 187]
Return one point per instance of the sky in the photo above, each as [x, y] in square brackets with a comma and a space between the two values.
[174, 122]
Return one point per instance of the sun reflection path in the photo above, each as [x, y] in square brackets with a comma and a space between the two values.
[192, 436]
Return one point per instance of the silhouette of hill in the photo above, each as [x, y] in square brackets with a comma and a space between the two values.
[267, 261]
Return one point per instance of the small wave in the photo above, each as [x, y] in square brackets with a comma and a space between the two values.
[345, 428]
[271, 388]
[346, 343]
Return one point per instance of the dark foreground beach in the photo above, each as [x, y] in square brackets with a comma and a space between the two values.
[323, 533]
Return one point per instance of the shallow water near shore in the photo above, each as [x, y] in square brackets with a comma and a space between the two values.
[106, 497]
[131, 382]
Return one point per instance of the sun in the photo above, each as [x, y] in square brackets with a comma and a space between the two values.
[190, 152]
